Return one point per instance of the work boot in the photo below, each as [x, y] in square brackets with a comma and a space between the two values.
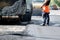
[43, 25]
[47, 24]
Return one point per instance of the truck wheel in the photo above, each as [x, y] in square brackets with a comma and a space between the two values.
[27, 17]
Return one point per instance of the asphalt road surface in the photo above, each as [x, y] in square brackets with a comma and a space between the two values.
[38, 20]
[54, 20]
[34, 30]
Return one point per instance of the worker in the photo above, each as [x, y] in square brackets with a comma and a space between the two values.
[46, 11]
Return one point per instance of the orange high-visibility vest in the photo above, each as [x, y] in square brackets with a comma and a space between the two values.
[46, 9]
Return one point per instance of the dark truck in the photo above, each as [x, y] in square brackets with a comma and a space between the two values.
[15, 10]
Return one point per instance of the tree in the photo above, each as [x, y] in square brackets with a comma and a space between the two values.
[57, 2]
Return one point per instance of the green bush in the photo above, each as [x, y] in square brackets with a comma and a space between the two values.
[57, 2]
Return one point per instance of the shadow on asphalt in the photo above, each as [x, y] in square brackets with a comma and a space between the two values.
[36, 22]
[22, 35]
[11, 23]
[39, 22]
